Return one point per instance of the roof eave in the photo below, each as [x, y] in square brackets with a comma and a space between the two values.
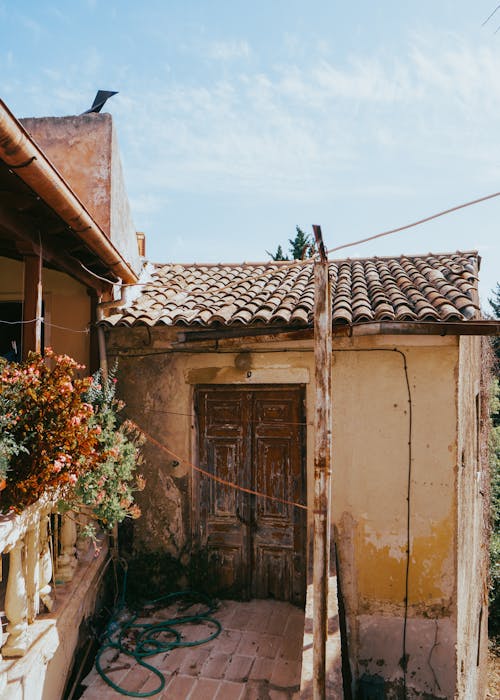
[22, 154]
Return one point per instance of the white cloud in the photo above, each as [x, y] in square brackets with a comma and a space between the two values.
[228, 50]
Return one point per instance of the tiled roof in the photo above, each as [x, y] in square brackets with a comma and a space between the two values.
[408, 288]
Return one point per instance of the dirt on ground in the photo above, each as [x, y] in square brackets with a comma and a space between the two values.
[493, 692]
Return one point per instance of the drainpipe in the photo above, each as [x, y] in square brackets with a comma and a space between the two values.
[114, 303]
[103, 358]
[22, 155]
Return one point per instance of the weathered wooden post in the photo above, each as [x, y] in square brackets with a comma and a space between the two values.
[32, 303]
[322, 465]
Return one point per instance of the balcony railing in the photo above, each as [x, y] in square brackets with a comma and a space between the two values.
[40, 550]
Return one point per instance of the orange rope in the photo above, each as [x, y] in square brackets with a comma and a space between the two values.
[217, 478]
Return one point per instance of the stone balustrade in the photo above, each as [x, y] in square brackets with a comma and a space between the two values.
[37, 557]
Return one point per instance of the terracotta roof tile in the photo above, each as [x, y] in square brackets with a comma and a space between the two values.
[408, 288]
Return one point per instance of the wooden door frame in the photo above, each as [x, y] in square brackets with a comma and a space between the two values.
[195, 479]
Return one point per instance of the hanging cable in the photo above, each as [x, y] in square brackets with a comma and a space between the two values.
[415, 223]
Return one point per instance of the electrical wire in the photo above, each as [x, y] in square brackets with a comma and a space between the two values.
[193, 416]
[415, 223]
[20, 323]
[45, 323]
[295, 263]
[218, 479]
[490, 16]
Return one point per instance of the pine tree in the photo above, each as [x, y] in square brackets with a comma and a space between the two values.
[302, 246]
[495, 301]
[278, 255]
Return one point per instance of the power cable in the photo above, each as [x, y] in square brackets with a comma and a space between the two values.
[296, 263]
[416, 223]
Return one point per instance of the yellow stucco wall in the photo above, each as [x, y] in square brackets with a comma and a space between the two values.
[66, 307]
[371, 429]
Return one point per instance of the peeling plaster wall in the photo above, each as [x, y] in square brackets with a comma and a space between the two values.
[80, 149]
[85, 151]
[66, 304]
[369, 483]
[472, 641]
[369, 501]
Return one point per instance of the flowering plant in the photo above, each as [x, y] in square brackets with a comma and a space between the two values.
[47, 432]
[62, 432]
[108, 487]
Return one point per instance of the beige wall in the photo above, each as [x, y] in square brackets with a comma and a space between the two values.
[66, 304]
[371, 423]
[80, 148]
[85, 151]
[370, 487]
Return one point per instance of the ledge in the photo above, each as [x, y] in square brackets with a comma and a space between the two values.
[42, 672]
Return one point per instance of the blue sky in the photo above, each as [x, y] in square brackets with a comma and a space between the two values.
[238, 121]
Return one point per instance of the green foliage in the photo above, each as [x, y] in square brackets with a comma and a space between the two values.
[302, 246]
[494, 302]
[108, 487]
[494, 612]
[48, 435]
[278, 255]
[63, 433]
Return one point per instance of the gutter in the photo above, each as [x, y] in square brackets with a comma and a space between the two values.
[21, 153]
[442, 328]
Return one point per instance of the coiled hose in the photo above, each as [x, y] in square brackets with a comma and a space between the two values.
[153, 638]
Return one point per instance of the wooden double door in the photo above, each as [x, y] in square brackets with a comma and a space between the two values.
[255, 438]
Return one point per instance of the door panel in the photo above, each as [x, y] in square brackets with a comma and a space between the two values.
[222, 439]
[279, 538]
[254, 438]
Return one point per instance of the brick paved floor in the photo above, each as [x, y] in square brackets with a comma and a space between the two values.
[257, 656]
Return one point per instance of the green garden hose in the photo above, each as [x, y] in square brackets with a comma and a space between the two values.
[153, 638]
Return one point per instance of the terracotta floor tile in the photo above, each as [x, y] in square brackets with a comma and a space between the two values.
[257, 656]
[269, 645]
[215, 666]
[262, 669]
[171, 661]
[291, 648]
[194, 659]
[238, 668]
[276, 622]
[228, 641]
[230, 691]
[178, 688]
[204, 689]
[249, 643]
[278, 695]
[285, 673]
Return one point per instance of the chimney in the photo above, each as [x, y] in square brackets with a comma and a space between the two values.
[141, 243]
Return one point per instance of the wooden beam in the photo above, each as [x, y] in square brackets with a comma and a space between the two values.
[322, 465]
[32, 305]
[282, 333]
[23, 232]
